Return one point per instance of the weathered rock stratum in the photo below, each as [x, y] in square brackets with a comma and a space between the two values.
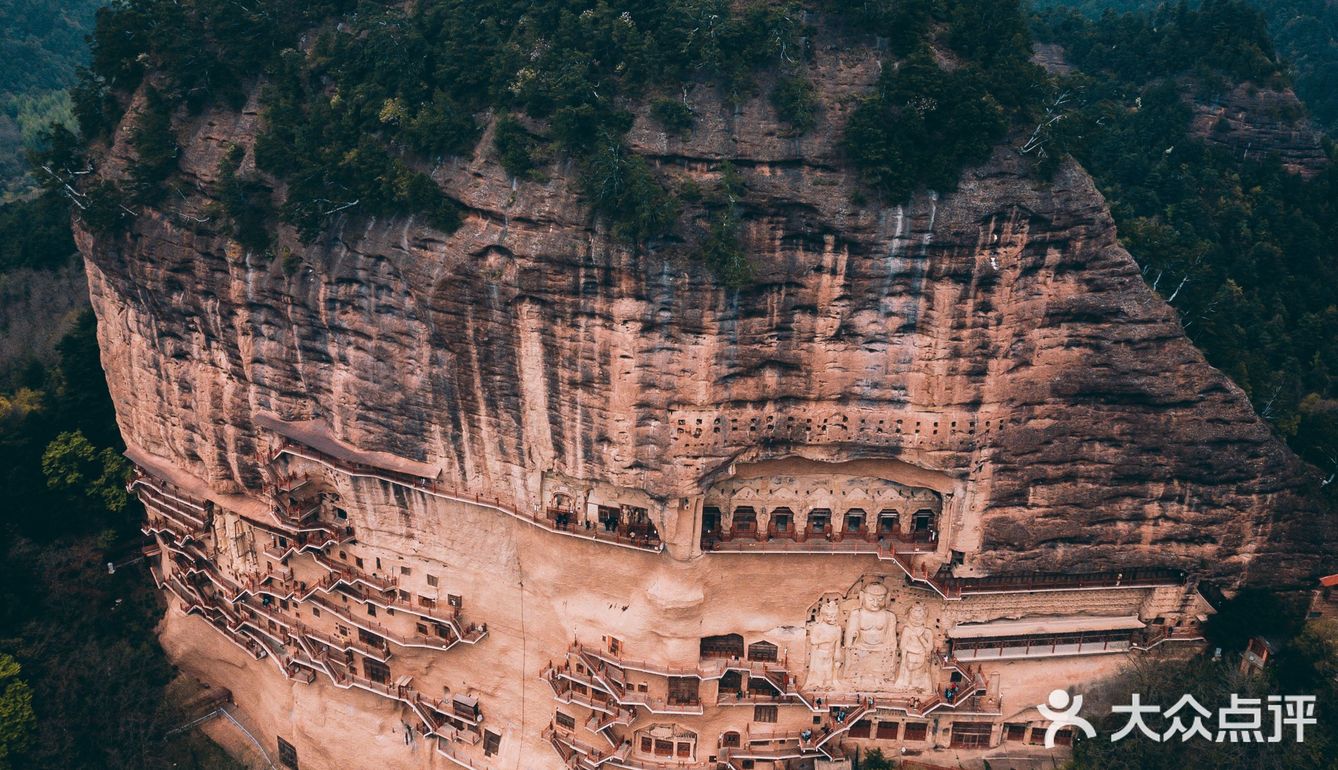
[997, 334]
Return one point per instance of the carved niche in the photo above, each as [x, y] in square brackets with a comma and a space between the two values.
[879, 637]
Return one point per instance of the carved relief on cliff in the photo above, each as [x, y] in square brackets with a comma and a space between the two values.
[876, 638]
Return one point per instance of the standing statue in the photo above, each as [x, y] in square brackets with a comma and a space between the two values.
[871, 640]
[917, 646]
[824, 647]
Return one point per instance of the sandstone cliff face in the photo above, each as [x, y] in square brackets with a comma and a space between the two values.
[997, 334]
[1257, 122]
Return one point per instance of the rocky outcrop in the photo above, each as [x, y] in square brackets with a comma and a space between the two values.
[997, 334]
[1256, 122]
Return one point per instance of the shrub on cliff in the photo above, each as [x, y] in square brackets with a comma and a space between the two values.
[796, 102]
[674, 116]
[155, 148]
[921, 126]
[245, 202]
[621, 187]
[520, 152]
[722, 249]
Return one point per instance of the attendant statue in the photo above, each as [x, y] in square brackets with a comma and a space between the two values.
[824, 647]
[917, 647]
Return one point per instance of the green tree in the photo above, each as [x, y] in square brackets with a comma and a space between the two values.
[622, 188]
[673, 115]
[155, 148]
[520, 152]
[796, 102]
[722, 250]
[922, 126]
[17, 720]
[875, 760]
[72, 464]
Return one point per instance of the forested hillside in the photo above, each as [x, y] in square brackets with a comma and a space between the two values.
[1304, 32]
[1243, 249]
[41, 47]
[82, 680]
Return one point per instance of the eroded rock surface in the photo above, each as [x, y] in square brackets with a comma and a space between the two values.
[998, 334]
[1256, 122]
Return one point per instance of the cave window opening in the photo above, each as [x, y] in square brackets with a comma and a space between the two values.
[376, 671]
[764, 652]
[765, 713]
[887, 522]
[922, 524]
[820, 520]
[723, 646]
[710, 521]
[745, 520]
[608, 518]
[855, 518]
[287, 754]
[971, 735]
[683, 690]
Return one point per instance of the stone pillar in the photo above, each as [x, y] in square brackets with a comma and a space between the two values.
[680, 528]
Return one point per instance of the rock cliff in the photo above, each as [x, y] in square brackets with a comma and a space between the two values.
[1256, 122]
[997, 334]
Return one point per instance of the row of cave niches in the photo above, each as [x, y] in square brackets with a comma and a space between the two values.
[707, 431]
[920, 526]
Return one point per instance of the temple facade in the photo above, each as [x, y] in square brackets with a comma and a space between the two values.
[792, 614]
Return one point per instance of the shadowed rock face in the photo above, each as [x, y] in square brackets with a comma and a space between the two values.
[1257, 122]
[997, 334]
